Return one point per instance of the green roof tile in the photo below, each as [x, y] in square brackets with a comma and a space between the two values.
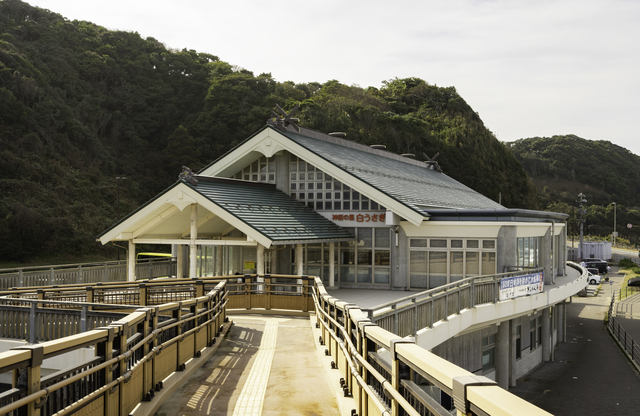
[269, 211]
[406, 180]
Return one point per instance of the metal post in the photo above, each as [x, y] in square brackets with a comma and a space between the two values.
[581, 200]
[32, 323]
[615, 233]
[83, 318]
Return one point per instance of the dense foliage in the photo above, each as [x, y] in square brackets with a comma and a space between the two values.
[607, 174]
[81, 105]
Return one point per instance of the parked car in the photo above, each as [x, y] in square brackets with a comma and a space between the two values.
[599, 264]
[594, 278]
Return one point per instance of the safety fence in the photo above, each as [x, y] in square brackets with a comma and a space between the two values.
[84, 273]
[406, 316]
[390, 375]
[172, 321]
[626, 342]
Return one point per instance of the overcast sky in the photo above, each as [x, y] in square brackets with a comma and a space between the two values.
[529, 68]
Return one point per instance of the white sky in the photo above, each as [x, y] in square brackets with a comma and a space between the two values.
[529, 68]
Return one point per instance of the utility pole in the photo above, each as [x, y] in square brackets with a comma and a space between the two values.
[615, 230]
[581, 200]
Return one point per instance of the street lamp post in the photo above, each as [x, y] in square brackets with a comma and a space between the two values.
[582, 198]
[615, 230]
[118, 179]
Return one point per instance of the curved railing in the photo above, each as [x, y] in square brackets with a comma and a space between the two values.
[407, 315]
[388, 375]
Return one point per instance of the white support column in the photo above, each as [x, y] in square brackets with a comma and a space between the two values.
[179, 261]
[193, 249]
[502, 355]
[131, 262]
[332, 264]
[274, 261]
[218, 261]
[299, 260]
[299, 264]
[512, 352]
[546, 334]
[260, 259]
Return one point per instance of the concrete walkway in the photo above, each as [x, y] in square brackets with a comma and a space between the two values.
[268, 365]
[589, 375]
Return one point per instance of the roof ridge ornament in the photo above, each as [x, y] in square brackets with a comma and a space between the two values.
[283, 120]
[431, 162]
[188, 176]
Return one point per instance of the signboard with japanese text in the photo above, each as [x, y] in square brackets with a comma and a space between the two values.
[356, 218]
[514, 287]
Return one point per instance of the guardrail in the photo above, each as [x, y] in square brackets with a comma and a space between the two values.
[388, 375]
[179, 319]
[139, 351]
[625, 341]
[406, 316]
[84, 273]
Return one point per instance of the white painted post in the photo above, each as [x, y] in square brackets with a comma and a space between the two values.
[299, 264]
[546, 334]
[131, 262]
[299, 260]
[332, 264]
[219, 250]
[193, 249]
[501, 355]
[260, 259]
[179, 261]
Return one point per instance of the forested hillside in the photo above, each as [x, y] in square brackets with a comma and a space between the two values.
[81, 105]
[564, 166]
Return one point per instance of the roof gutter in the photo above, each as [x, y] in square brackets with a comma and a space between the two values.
[493, 215]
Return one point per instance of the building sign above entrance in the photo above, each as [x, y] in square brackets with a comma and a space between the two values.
[513, 287]
[359, 217]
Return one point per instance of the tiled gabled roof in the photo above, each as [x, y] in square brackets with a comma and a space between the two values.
[269, 211]
[406, 180]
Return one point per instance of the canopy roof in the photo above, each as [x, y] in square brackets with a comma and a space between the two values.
[265, 214]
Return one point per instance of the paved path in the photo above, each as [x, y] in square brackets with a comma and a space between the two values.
[589, 374]
[268, 365]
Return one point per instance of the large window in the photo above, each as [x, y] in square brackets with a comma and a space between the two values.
[488, 354]
[262, 170]
[529, 251]
[321, 192]
[366, 260]
[535, 333]
[435, 262]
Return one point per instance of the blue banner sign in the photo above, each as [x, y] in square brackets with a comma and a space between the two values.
[513, 287]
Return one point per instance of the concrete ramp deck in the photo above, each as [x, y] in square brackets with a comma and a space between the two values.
[267, 365]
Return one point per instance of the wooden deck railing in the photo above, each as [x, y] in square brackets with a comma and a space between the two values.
[171, 321]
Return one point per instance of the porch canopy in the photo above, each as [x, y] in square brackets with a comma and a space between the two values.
[218, 206]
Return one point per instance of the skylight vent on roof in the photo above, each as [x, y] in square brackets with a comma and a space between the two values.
[340, 134]
[378, 147]
[408, 155]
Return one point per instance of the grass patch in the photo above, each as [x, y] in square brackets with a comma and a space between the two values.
[630, 270]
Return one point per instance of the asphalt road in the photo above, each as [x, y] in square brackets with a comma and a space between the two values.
[589, 374]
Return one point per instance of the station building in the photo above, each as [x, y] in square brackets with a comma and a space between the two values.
[290, 200]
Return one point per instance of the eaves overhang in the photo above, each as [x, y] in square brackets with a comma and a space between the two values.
[501, 215]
